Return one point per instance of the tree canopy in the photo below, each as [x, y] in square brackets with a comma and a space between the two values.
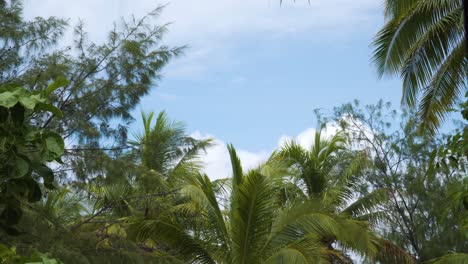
[76, 186]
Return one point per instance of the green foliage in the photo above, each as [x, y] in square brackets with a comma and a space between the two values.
[425, 214]
[105, 80]
[389, 197]
[9, 256]
[20, 40]
[87, 221]
[25, 149]
[423, 41]
[450, 259]
[248, 224]
[167, 149]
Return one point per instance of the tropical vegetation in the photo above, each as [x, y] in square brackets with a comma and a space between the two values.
[78, 186]
[423, 41]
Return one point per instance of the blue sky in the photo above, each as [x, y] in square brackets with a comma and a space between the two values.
[254, 71]
[272, 88]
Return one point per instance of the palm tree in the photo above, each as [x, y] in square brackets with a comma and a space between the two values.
[166, 148]
[245, 222]
[328, 173]
[163, 155]
[423, 41]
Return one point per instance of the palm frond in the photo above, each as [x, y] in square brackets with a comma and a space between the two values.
[454, 258]
[424, 56]
[252, 211]
[62, 207]
[236, 166]
[419, 40]
[306, 250]
[367, 204]
[446, 86]
[189, 163]
[387, 252]
[406, 22]
[199, 189]
[165, 230]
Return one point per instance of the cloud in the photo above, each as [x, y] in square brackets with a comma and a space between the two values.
[217, 162]
[213, 27]
[306, 137]
[196, 19]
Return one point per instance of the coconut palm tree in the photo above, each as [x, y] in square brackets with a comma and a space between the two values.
[166, 148]
[244, 222]
[329, 171]
[423, 41]
[163, 155]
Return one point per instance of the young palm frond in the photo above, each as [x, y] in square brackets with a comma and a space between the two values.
[314, 165]
[166, 149]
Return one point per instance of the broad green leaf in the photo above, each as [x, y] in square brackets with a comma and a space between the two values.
[54, 144]
[61, 81]
[30, 101]
[22, 167]
[8, 99]
[50, 108]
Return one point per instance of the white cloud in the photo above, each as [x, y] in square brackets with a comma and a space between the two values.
[212, 27]
[217, 162]
[219, 18]
[306, 137]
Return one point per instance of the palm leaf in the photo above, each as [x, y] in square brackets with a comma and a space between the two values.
[454, 258]
[252, 211]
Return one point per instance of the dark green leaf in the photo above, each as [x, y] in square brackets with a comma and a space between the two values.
[3, 114]
[17, 114]
[12, 231]
[21, 167]
[54, 144]
[34, 192]
[46, 173]
[11, 213]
